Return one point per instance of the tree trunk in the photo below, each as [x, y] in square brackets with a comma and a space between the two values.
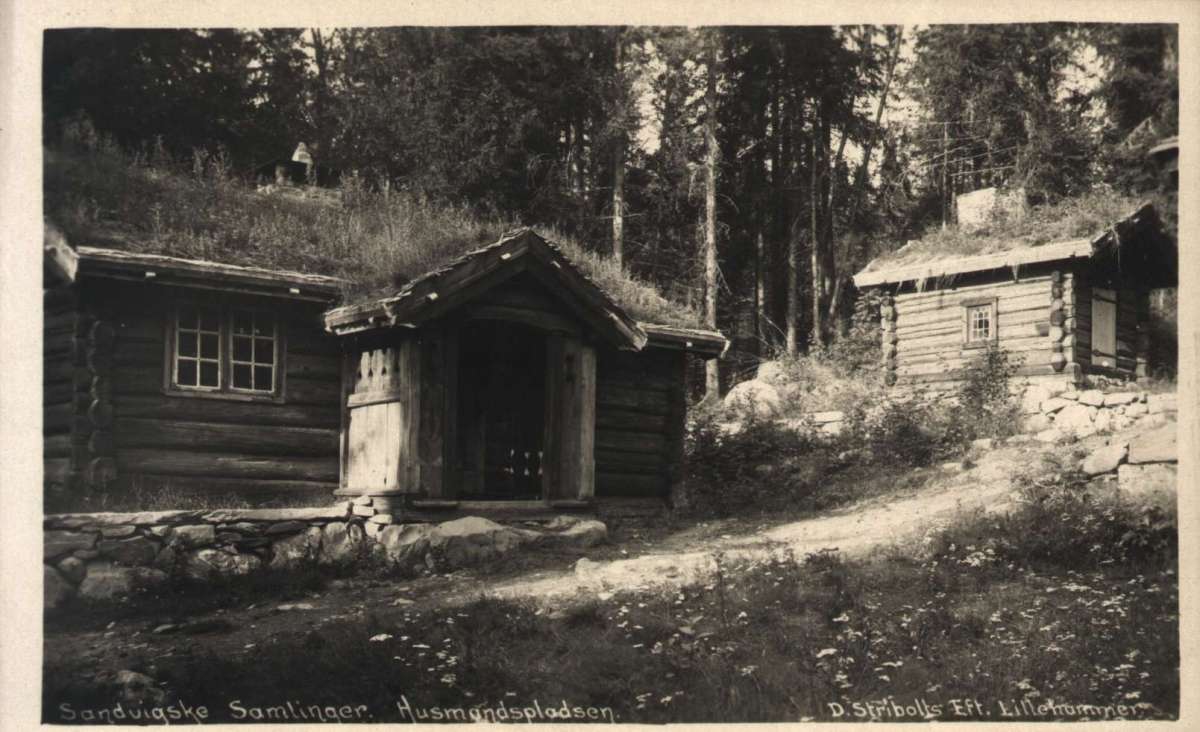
[814, 198]
[712, 381]
[618, 198]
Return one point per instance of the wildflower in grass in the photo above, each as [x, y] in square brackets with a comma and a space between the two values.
[843, 618]
[826, 652]
[449, 679]
[380, 638]
[747, 670]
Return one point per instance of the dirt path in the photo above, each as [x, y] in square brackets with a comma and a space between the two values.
[854, 530]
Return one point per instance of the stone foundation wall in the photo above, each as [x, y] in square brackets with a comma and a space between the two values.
[1055, 410]
[107, 555]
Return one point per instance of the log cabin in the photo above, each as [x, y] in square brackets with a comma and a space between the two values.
[503, 381]
[1064, 310]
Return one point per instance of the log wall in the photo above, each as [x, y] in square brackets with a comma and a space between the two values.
[929, 331]
[640, 403]
[1129, 336]
[258, 449]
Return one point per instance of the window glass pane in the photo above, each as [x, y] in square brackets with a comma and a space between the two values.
[209, 320]
[241, 349]
[264, 350]
[241, 376]
[187, 318]
[243, 322]
[209, 345]
[209, 373]
[187, 344]
[186, 373]
[262, 378]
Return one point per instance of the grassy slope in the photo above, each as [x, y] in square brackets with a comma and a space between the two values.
[1083, 216]
[104, 198]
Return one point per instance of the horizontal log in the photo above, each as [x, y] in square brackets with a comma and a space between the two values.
[625, 397]
[264, 414]
[138, 352]
[59, 299]
[959, 375]
[302, 390]
[1010, 337]
[63, 446]
[260, 492]
[141, 326]
[1005, 306]
[936, 298]
[625, 484]
[1029, 358]
[622, 461]
[219, 465]
[59, 470]
[64, 323]
[246, 438]
[313, 366]
[623, 419]
[643, 442]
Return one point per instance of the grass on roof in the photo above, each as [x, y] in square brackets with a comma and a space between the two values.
[100, 196]
[1080, 217]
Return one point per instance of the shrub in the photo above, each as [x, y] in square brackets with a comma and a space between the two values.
[984, 405]
[757, 462]
[894, 431]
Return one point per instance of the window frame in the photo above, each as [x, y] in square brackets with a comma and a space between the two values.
[972, 304]
[225, 389]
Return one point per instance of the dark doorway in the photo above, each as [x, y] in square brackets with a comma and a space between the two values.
[501, 410]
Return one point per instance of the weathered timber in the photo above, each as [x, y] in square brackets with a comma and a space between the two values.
[630, 484]
[251, 439]
[621, 461]
[631, 398]
[221, 465]
[644, 442]
[260, 490]
[259, 414]
[621, 419]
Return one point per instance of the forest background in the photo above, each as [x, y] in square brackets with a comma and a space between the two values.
[747, 172]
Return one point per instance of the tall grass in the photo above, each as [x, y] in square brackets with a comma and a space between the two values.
[377, 240]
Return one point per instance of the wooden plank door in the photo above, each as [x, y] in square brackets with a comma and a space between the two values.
[1104, 328]
[384, 419]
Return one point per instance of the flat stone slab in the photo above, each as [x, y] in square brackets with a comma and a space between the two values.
[57, 543]
[234, 515]
[1104, 460]
[1158, 446]
[141, 518]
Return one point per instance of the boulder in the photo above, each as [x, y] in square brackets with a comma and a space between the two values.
[207, 563]
[341, 543]
[55, 589]
[1105, 460]
[762, 397]
[473, 539]
[1050, 435]
[362, 501]
[1069, 394]
[1074, 418]
[194, 535]
[1158, 446]
[771, 372]
[585, 567]
[1135, 410]
[983, 443]
[1151, 484]
[581, 535]
[1033, 398]
[119, 531]
[135, 551]
[1037, 423]
[1119, 398]
[1103, 420]
[561, 522]
[1091, 397]
[406, 543]
[361, 510]
[73, 569]
[296, 549]
[106, 580]
[58, 543]
[1162, 403]
[1052, 405]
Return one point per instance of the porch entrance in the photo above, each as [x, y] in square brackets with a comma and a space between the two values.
[501, 411]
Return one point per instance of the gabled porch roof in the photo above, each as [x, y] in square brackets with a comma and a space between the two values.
[440, 291]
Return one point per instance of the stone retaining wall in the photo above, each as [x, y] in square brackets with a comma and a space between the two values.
[1054, 410]
[107, 555]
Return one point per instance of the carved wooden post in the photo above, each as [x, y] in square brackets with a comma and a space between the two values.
[1057, 322]
[887, 318]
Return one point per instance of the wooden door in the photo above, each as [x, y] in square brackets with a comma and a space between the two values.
[384, 414]
[569, 466]
[1104, 328]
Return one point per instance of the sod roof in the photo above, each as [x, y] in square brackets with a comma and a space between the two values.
[376, 244]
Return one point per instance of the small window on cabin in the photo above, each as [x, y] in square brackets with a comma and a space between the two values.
[224, 350]
[981, 323]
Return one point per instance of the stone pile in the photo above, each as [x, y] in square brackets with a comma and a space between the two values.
[107, 555]
[1144, 467]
